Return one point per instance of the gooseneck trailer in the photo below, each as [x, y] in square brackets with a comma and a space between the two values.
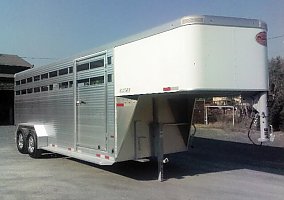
[134, 98]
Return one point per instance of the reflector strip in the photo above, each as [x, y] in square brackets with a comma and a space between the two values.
[120, 104]
[166, 89]
[103, 156]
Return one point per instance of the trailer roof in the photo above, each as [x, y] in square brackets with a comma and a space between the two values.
[224, 21]
[184, 21]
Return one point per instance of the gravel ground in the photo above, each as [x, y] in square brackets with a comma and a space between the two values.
[221, 165]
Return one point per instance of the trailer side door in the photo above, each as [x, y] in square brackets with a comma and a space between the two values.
[91, 103]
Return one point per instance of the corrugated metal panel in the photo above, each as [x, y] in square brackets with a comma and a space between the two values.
[110, 112]
[95, 113]
[53, 108]
[92, 116]
[54, 111]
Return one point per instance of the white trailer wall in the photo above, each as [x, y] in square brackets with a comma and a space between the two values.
[192, 57]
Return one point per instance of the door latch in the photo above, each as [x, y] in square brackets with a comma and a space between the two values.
[80, 102]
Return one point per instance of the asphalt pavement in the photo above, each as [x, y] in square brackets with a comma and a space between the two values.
[212, 169]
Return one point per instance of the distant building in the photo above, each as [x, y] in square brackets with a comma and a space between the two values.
[224, 101]
[9, 65]
[218, 107]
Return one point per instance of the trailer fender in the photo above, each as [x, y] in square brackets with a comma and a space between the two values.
[38, 130]
[42, 137]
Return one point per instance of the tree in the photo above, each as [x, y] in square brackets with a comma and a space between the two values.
[276, 78]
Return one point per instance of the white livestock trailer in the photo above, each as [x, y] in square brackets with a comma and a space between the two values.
[134, 98]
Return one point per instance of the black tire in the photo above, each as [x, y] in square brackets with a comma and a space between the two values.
[32, 149]
[21, 142]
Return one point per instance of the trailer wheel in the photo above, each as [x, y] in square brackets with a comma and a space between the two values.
[21, 142]
[33, 151]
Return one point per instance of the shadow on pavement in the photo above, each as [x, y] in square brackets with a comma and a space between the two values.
[207, 156]
[210, 155]
[49, 155]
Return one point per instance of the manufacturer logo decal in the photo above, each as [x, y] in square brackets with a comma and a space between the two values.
[124, 90]
[261, 38]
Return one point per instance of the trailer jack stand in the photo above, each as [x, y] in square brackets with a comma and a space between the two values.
[160, 156]
[160, 152]
[266, 131]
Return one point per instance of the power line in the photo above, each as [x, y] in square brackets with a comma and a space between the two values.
[275, 37]
[38, 58]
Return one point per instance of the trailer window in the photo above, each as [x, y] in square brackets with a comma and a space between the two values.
[23, 81]
[109, 60]
[63, 85]
[50, 87]
[30, 90]
[18, 92]
[97, 80]
[83, 67]
[83, 82]
[70, 83]
[36, 89]
[109, 78]
[70, 70]
[44, 88]
[18, 82]
[97, 63]
[63, 71]
[29, 80]
[36, 78]
[44, 76]
[24, 91]
[53, 74]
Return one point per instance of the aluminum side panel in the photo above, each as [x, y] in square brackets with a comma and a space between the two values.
[92, 117]
[54, 110]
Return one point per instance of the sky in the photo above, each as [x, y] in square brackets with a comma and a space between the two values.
[42, 31]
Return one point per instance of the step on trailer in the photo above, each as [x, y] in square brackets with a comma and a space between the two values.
[134, 98]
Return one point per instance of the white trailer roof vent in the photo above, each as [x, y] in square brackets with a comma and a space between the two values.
[192, 20]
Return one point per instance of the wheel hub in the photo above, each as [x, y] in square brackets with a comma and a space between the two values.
[20, 141]
[31, 144]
